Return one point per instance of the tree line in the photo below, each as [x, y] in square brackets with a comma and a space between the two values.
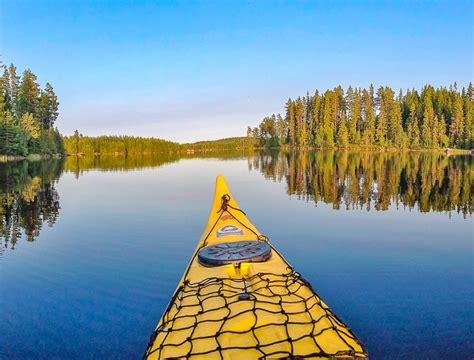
[226, 144]
[27, 115]
[431, 119]
[80, 144]
[89, 145]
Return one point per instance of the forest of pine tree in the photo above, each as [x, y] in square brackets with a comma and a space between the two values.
[79, 144]
[431, 119]
[27, 115]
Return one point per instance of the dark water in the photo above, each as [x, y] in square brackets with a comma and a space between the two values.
[92, 248]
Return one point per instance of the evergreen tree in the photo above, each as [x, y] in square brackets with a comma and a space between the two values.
[30, 126]
[343, 135]
[290, 116]
[28, 94]
[468, 118]
[14, 89]
[76, 142]
[12, 138]
[329, 119]
[355, 118]
[281, 130]
[456, 129]
[6, 91]
[413, 129]
[2, 101]
[43, 112]
[396, 134]
[53, 106]
[382, 118]
[435, 140]
[427, 122]
[300, 115]
[442, 135]
[369, 119]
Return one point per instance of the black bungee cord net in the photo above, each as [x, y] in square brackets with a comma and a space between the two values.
[215, 302]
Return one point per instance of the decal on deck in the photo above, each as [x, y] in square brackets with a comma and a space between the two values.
[229, 230]
[227, 217]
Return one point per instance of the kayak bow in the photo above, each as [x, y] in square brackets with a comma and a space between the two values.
[240, 299]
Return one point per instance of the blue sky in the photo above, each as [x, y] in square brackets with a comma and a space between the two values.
[192, 70]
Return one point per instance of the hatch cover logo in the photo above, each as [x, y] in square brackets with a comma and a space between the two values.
[229, 230]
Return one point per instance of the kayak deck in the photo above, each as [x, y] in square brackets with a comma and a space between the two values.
[255, 308]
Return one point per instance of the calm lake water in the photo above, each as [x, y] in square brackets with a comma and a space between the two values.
[92, 248]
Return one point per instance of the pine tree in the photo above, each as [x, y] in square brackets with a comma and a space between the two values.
[369, 119]
[329, 118]
[28, 94]
[468, 119]
[342, 135]
[43, 112]
[300, 123]
[456, 129]
[315, 108]
[396, 134]
[249, 132]
[76, 140]
[355, 116]
[281, 130]
[14, 88]
[2, 101]
[5, 88]
[442, 136]
[53, 105]
[30, 126]
[59, 142]
[290, 116]
[435, 130]
[382, 118]
[12, 138]
[413, 130]
[427, 121]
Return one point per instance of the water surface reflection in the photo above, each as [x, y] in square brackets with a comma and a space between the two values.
[28, 199]
[125, 227]
[373, 181]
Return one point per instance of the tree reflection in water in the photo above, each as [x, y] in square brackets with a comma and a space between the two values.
[351, 180]
[373, 180]
[28, 199]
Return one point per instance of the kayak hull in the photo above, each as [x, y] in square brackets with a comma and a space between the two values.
[248, 308]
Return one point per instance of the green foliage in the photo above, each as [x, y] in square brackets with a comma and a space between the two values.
[456, 130]
[27, 115]
[342, 135]
[79, 144]
[28, 93]
[12, 140]
[227, 144]
[413, 129]
[432, 119]
[30, 126]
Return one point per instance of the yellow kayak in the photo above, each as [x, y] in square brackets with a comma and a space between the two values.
[240, 299]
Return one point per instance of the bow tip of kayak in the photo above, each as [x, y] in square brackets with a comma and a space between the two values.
[221, 184]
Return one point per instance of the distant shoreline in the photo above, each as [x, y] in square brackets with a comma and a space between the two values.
[190, 151]
[30, 157]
